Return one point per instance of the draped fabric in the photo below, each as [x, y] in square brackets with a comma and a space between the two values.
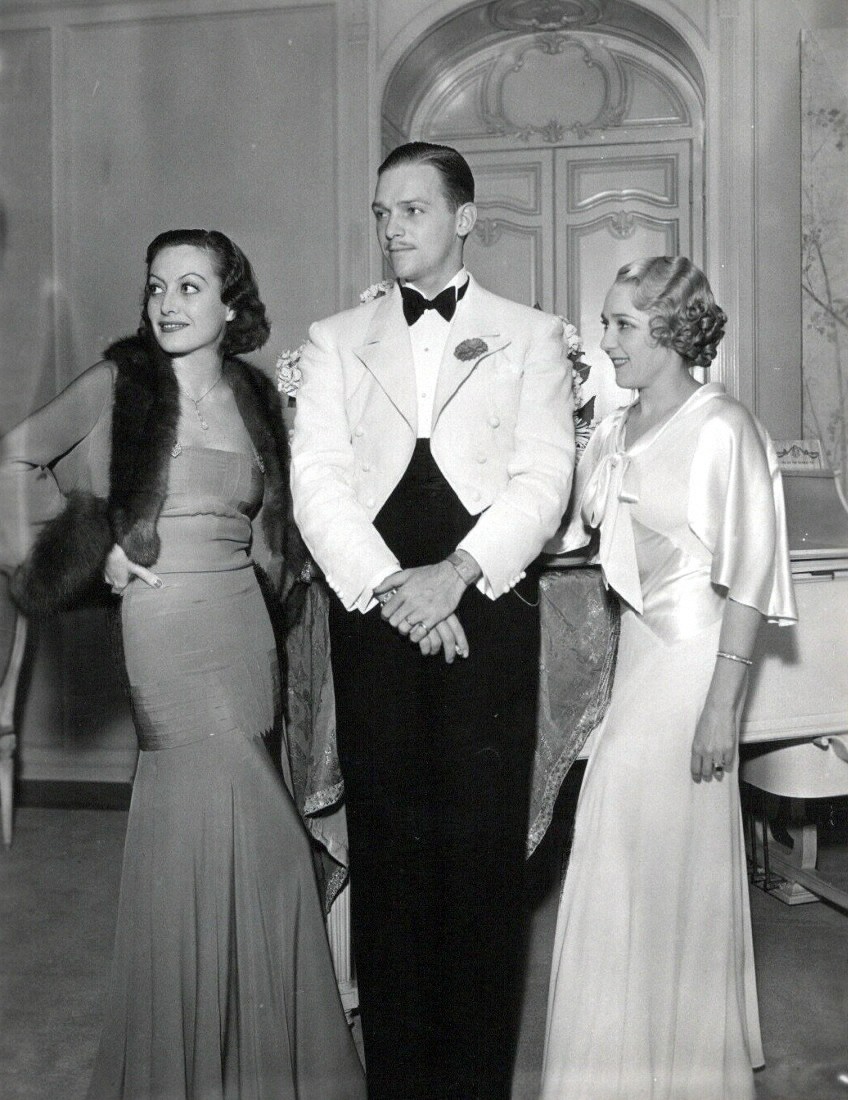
[735, 512]
[579, 625]
[579, 636]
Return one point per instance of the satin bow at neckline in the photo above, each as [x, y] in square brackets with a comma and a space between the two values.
[605, 505]
[414, 303]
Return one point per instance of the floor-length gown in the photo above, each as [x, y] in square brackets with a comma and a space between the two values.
[222, 985]
[652, 993]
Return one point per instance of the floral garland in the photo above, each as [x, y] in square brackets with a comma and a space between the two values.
[289, 375]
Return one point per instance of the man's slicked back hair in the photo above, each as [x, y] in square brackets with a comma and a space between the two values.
[457, 177]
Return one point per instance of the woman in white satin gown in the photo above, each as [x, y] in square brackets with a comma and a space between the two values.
[652, 993]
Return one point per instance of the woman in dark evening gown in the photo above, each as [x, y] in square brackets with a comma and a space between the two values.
[222, 985]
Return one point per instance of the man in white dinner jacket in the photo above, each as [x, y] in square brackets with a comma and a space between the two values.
[431, 460]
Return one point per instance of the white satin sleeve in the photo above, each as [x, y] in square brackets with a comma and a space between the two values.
[736, 509]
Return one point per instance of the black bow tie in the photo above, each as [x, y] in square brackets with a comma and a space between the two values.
[414, 304]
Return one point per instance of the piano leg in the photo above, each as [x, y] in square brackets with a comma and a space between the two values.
[800, 856]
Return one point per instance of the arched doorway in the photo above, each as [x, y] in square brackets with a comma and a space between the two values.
[584, 124]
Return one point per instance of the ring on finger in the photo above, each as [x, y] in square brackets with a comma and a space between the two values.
[718, 767]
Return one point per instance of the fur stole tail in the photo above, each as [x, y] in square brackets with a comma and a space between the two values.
[64, 569]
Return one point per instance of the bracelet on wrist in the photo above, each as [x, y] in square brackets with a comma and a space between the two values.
[735, 657]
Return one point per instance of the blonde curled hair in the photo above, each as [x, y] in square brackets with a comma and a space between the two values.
[683, 311]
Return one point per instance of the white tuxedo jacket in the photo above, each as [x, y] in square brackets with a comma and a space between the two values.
[502, 434]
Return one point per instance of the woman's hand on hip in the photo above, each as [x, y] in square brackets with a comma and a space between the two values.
[119, 571]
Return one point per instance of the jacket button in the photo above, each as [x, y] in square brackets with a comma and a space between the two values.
[365, 467]
[494, 421]
[482, 459]
[369, 503]
[475, 496]
[359, 431]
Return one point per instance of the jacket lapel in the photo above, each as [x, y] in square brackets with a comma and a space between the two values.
[387, 354]
[473, 321]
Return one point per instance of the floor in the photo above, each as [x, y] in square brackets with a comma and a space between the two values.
[58, 892]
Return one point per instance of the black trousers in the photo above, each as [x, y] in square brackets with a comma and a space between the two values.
[436, 760]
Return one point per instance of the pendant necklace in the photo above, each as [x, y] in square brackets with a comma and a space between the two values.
[176, 450]
[196, 402]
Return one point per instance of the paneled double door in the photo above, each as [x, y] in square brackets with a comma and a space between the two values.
[555, 224]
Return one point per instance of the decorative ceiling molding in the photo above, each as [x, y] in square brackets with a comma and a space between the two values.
[546, 15]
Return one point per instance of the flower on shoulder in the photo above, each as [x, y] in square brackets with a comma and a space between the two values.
[470, 349]
[584, 411]
[376, 290]
[572, 339]
[288, 372]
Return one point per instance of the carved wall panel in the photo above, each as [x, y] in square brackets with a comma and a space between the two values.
[546, 15]
[511, 250]
[587, 147]
[595, 179]
[547, 89]
[652, 101]
[508, 257]
[514, 185]
[614, 205]
[550, 85]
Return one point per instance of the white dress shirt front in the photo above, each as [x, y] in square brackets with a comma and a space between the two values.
[428, 336]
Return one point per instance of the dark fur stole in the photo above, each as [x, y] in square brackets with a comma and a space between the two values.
[65, 567]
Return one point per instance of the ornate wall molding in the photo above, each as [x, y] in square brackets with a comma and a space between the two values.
[546, 15]
[611, 103]
[584, 173]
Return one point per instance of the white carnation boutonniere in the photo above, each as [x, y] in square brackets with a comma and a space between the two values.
[288, 373]
[376, 290]
[584, 411]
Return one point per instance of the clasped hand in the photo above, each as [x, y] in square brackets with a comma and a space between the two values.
[420, 604]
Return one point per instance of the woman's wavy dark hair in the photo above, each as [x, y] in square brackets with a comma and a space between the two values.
[684, 314]
[249, 329]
